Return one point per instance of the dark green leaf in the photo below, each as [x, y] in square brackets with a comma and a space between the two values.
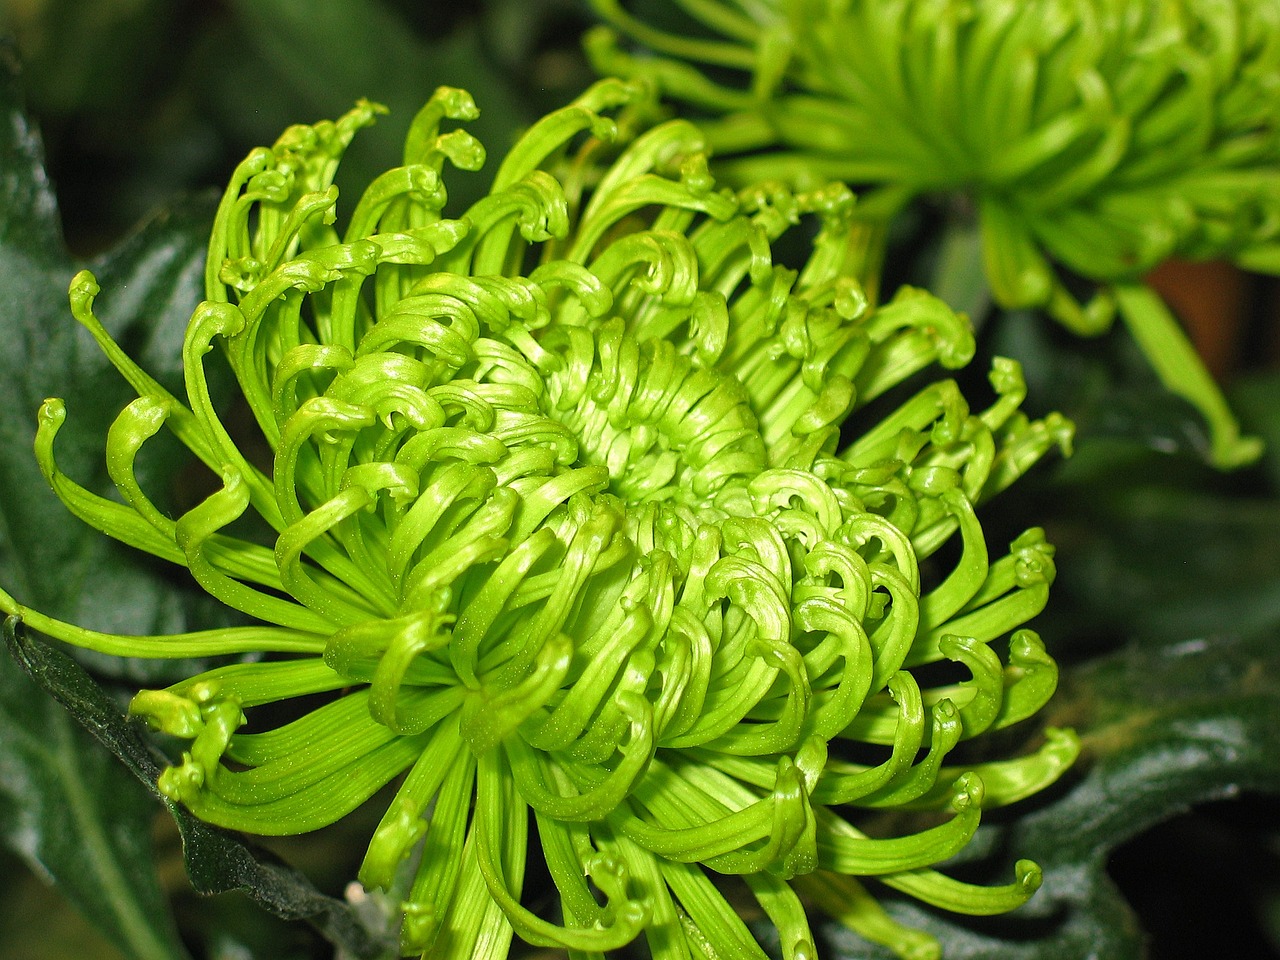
[537, 44]
[87, 55]
[217, 861]
[1159, 564]
[1164, 729]
[68, 811]
[1160, 549]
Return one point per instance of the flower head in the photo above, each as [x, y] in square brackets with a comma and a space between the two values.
[1095, 137]
[560, 519]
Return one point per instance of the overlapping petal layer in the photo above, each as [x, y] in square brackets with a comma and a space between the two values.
[566, 518]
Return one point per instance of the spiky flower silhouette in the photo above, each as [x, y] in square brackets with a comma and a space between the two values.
[559, 521]
[1095, 138]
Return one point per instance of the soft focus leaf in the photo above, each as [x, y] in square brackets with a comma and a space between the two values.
[100, 76]
[1104, 385]
[85, 55]
[140, 99]
[37, 925]
[537, 44]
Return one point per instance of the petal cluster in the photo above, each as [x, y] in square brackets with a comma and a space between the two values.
[1095, 137]
[564, 512]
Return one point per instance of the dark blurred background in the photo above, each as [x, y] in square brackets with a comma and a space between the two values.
[142, 99]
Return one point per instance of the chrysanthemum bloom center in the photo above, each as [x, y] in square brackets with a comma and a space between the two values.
[664, 430]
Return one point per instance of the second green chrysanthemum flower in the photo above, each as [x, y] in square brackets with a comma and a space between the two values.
[569, 527]
[1094, 138]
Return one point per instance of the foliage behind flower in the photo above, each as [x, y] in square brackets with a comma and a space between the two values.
[562, 521]
[1096, 137]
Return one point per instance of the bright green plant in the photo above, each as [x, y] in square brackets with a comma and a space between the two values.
[1094, 138]
[565, 507]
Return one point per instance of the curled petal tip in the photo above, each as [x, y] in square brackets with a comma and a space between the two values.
[53, 412]
[84, 287]
[175, 715]
[1029, 876]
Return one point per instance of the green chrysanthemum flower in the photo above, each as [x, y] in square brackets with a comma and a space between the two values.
[560, 521]
[1099, 137]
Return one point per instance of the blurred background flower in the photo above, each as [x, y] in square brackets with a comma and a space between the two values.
[1093, 140]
